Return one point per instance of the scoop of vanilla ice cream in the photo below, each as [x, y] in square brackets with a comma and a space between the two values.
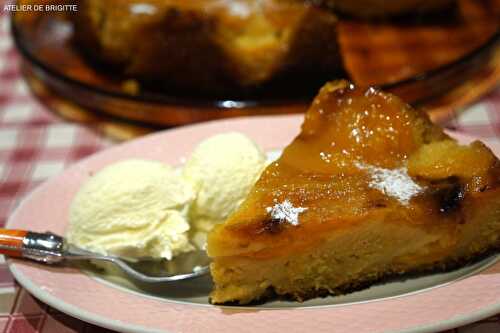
[133, 208]
[222, 169]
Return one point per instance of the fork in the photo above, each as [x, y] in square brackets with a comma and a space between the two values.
[52, 249]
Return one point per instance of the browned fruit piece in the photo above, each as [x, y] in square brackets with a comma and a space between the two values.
[211, 45]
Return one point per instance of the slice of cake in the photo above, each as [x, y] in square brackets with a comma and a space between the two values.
[369, 189]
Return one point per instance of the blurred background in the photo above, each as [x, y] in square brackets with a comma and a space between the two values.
[156, 64]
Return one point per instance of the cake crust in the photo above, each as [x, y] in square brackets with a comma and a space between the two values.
[368, 281]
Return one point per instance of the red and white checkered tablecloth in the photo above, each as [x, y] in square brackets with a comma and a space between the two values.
[35, 145]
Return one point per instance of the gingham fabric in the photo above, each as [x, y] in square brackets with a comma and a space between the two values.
[35, 145]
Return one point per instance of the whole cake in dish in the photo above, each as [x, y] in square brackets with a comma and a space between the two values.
[209, 46]
[369, 189]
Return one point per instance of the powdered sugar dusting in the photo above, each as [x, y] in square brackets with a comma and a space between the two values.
[393, 182]
[286, 212]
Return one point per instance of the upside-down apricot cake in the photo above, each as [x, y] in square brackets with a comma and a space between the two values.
[369, 189]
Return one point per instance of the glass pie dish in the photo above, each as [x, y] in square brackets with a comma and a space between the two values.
[421, 59]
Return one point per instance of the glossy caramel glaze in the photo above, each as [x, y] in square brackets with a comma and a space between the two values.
[361, 153]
